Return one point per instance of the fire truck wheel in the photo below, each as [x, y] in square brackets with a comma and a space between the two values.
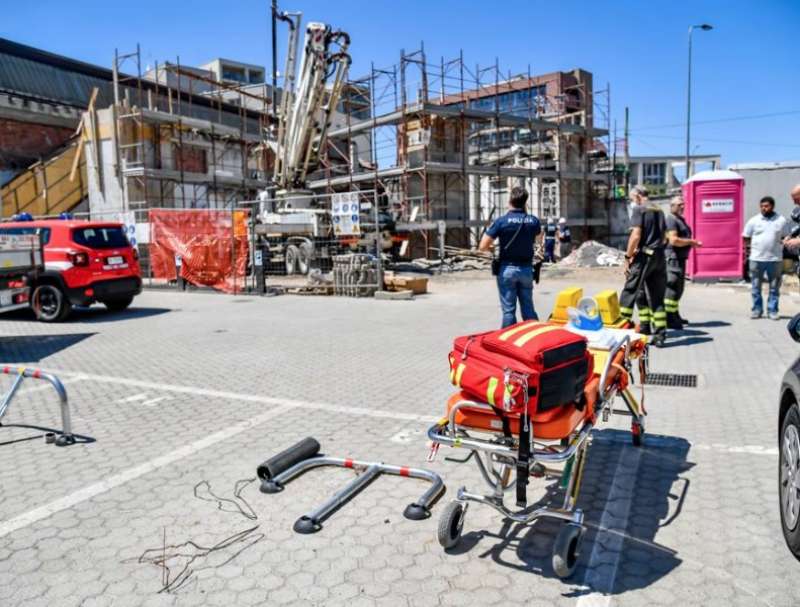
[50, 304]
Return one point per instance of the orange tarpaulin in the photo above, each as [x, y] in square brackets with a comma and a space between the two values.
[212, 246]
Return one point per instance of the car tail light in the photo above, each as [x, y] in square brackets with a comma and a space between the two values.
[17, 284]
[79, 259]
[21, 297]
[89, 292]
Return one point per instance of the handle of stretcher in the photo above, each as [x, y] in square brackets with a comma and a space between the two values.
[625, 343]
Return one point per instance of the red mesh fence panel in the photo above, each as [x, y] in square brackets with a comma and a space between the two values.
[212, 245]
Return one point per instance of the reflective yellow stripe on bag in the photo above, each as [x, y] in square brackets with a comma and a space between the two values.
[490, 390]
[511, 332]
[459, 373]
[535, 333]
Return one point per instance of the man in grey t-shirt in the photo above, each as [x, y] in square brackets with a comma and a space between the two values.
[764, 235]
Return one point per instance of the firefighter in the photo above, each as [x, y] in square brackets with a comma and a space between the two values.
[645, 267]
[679, 243]
[550, 233]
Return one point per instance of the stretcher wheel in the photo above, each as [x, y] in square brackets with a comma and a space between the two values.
[567, 549]
[637, 434]
[451, 522]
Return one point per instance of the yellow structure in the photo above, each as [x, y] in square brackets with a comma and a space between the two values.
[568, 298]
[45, 188]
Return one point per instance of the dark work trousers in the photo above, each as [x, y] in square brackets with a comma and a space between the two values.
[550, 250]
[644, 287]
[676, 280]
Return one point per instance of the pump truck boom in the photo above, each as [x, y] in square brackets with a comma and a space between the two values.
[295, 225]
[307, 103]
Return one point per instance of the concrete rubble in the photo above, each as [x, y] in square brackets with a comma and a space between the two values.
[592, 254]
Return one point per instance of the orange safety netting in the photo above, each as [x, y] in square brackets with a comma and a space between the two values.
[212, 246]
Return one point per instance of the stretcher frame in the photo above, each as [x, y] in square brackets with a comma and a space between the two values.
[496, 458]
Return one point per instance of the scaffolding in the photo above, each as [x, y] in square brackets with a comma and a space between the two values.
[446, 142]
[197, 144]
[440, 142]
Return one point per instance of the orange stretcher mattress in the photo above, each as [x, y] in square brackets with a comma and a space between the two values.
[553, 424]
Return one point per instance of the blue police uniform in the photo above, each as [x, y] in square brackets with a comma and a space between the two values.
[516, 231]
[550, 232]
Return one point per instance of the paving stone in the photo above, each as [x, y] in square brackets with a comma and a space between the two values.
[695, 522]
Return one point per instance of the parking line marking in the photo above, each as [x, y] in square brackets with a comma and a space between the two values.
[252, 398]
[614, 518]
[87, 493]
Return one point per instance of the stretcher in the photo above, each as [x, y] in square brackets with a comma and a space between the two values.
[559, 439]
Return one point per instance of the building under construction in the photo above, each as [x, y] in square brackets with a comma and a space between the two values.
[442, 142]
[448, 154]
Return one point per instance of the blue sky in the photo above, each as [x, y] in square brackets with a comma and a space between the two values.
[746, 97]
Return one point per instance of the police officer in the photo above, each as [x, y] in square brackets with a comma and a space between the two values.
[645, 267]
[679, 243]
[550, 233]
[517, 232]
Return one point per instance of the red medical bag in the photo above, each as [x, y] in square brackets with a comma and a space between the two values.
[545, 361]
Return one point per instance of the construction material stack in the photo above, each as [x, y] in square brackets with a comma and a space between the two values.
[355, 275]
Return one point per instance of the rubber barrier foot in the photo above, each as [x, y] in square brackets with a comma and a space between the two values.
[271, 487]
[415, 512]
[64, 440]
[306, 525]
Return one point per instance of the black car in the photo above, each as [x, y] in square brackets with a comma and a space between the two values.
[789, 449]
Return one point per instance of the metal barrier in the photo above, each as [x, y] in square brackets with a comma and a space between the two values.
[304, 455]
[22, 373]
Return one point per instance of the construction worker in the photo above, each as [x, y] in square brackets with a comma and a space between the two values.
[550, 233]
[645, 267]
[518, 233]
[679, 243]
[564, 239]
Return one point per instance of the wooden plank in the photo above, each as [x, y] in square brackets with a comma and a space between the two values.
[76, 161]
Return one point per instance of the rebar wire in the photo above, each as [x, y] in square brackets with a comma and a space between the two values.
[192, 551]
[245, 509]
[161, 557]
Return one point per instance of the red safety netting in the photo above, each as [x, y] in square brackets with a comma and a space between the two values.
[212, 246]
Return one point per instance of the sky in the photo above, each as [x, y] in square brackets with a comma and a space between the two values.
[746, 71]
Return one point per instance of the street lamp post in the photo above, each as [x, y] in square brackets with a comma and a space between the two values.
[705, 27]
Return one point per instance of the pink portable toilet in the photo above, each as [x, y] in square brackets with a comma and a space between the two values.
[715, 212]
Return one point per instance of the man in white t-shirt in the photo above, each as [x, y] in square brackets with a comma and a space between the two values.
[764, 235]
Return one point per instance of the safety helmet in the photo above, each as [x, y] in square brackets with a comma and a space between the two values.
[562, 221]
[550, 221]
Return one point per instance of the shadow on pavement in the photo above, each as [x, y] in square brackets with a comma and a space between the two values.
[676, 342]
[619, 551]
[41, 431]
[97, 314]
[710, 324]
[93, 314]
[33, 348]
[686, 337]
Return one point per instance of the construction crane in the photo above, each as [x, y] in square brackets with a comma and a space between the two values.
[307, 101]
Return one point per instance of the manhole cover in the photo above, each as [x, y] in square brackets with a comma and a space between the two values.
[673, 380]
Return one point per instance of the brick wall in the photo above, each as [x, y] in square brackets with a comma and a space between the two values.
[23, 143]
[190, 159]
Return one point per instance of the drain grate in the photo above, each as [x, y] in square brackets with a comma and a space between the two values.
[672, 380]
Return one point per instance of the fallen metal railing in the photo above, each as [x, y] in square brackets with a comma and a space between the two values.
[66, 437]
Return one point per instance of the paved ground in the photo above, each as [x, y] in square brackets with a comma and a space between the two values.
[186, 388]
